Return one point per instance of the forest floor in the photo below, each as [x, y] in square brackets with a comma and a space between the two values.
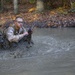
[49, 18]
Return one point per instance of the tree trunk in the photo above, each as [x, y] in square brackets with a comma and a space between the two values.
[15, 2]
[72, 2]
[39, 5]
[1, 7]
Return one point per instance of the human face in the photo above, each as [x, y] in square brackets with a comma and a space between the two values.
[20, 21]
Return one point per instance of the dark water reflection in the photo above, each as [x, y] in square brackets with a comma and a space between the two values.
[52, 54]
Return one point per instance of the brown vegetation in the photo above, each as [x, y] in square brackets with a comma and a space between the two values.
[48, 18]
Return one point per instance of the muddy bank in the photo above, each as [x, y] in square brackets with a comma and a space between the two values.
[47, 20]
[43, 20]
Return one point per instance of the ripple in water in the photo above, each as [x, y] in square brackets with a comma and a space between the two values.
[43, 45]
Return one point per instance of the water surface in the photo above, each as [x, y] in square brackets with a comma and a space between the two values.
[53, 53]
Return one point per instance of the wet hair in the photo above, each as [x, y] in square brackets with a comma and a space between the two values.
[19, 17]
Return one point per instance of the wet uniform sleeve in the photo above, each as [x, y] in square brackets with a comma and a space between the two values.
[11, 37]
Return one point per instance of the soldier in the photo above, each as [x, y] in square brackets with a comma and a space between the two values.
[16, 31]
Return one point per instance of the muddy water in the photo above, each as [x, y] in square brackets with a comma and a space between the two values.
[53, 53]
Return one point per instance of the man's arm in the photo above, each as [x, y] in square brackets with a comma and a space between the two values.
[14, 38]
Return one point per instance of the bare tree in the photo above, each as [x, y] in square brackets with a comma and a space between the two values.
[39, 5]
[15, 2]
[72, 2]
[2, 2]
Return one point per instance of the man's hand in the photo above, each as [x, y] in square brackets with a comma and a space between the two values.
[26, 33]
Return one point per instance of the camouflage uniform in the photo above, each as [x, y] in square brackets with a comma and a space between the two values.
[14, 35]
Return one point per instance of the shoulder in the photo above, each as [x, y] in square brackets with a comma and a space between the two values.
[10, 29]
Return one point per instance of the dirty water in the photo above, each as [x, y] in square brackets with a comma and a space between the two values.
[53, 53]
